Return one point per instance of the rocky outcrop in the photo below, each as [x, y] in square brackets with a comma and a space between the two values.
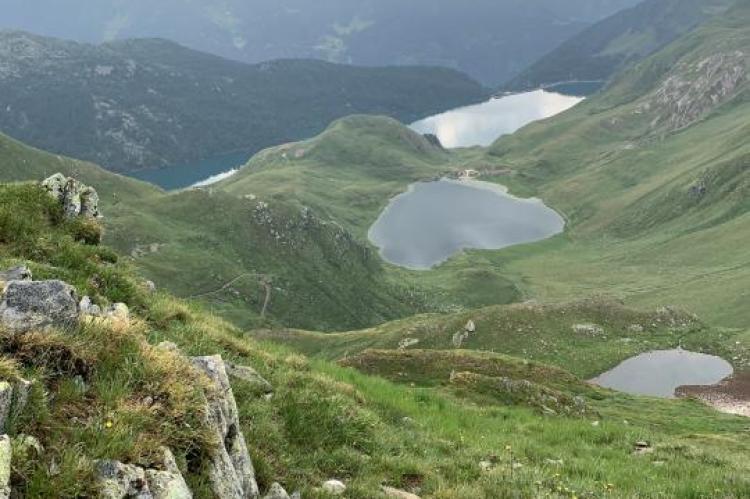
[121, 481]
[231, 473]
[27, 305]
[76, 198]
[126, 481]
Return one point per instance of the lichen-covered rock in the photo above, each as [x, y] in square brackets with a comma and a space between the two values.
[232, 474]
[6, 403]
[88, 308]
[334, 487]
[169, 483]
[76, 198]
[20, 273]
[5, 458]
[250, 376]
[276, 492]
[26, 306]
[55, 185]
[121, 481]
[398, 494]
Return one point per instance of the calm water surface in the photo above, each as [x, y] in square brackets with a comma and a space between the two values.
[193, 174]
[660, 373]
[482, 124]
[435, 220]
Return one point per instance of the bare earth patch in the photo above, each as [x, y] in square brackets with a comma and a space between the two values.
[731, 396]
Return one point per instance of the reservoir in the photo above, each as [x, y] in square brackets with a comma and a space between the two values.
[482, 124]
[433, 221]
[661, 372]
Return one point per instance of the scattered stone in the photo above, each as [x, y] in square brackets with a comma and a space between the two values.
[589, 329]
[250, 376]
[470, 327]
[26, 306]
[296, 495]
[595, 423]
[398, 494]
[121, 481]
[5, 457]
[486, 465]
[231, 473]
[334, 487]
[642, 447]
[635, 328]
[459, 338]
[88, 308]
[150, 286]
[554, 462]
[276, 492]
[168, 484]
[407, 342]
[169, 346]
[118, 311]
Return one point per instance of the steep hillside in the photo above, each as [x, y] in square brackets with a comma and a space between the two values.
[254, 258]
[126, 404]
[492, 41]
[599, 52]
[651, 175]
[138, 104]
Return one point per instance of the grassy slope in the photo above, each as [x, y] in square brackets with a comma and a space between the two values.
[321, 277]
[326, 420]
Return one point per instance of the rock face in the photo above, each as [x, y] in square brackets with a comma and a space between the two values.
[37, 305]
[76, 198]
[232, 474]
[5, 455]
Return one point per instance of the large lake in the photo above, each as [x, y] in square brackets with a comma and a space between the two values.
[196, 173]
[434, 220]
[660, 373]
[482, 124]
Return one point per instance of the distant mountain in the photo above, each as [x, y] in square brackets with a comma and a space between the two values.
[147, 103]
[490, 39]
[626, 37]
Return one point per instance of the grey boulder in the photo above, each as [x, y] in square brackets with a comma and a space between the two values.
[120, 481]
[251, 377]
[20, 273]
[26, 306]
[276, 492]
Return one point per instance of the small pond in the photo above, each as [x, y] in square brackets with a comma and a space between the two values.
[661, 372]
[432, 221]
[195, 174]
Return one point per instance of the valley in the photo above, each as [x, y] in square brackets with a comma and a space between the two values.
[540, 295]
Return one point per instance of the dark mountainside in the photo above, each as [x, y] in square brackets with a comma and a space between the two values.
[139, 104]
[492, 40]
[624, 38]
